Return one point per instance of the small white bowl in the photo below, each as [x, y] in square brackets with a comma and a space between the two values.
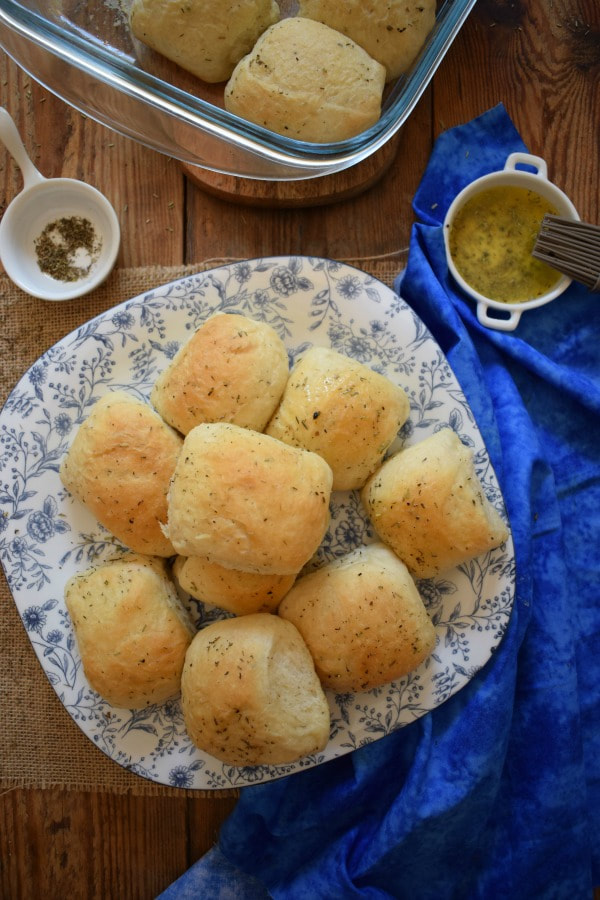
[44, 201]
[38, 206]
[510, 176]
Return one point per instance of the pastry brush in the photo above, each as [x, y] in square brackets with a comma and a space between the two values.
[571, 247]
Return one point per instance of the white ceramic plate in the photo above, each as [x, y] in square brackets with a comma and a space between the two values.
[46, 536]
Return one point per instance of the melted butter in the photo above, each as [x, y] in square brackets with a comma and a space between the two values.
[491, 239]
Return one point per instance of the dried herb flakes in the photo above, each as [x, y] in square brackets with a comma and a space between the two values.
[68, 248]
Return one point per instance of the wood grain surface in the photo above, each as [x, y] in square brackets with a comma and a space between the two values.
[541, 58]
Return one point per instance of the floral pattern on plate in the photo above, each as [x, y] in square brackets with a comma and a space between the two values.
[46, 536]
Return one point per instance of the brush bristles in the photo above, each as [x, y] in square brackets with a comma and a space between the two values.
[570, 247]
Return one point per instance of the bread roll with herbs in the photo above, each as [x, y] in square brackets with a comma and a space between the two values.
[120, 465]
[427, 504]
[131, 628]
[391, 31]
[362, 619]
[247, 501]
[306, 81]
[232, 369]
[205, 37]
[342, 410]
[250, 694]
[240, 593]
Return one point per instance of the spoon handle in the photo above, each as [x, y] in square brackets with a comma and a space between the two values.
[10, 137]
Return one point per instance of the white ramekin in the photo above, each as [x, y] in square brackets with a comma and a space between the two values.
[511, 177]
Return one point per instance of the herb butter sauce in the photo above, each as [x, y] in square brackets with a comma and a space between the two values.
[491, 239]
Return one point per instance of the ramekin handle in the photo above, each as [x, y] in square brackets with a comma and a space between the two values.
[527, 159]
[499, 324]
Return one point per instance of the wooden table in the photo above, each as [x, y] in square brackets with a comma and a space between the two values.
[542, 60]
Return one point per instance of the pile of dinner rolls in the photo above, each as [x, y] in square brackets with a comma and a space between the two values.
[220, 489]
[317, 75]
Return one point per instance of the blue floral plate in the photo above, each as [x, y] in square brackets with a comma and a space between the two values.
[46, 536]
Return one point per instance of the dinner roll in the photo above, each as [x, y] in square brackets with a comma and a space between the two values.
[131, 629]
[427, 504]
[237, 592]
[206, 37]
[250, 694]
[306, 81]
[391, 31]
[362, 619]
[232, 369]
[119, 465]
[247, 501]
[342, 410]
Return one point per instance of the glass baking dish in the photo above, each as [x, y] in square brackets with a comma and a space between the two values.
[83, 51]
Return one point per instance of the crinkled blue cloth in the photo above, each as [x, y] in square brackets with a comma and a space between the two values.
[494, 794]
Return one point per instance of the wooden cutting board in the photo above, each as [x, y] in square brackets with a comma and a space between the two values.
[286, 194]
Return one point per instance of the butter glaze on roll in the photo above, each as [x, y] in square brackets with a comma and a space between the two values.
[247, 501]
[362, 619]
[240, 593]
[232, 369]
[250, 694]
[342, 410]
[427, 504]
[131, 628]
[120, 466]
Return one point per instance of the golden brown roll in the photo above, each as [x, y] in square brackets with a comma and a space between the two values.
[247, 501]
[250, 694]
[232, 369]
[240, 593]
[304, 81]
[427, 504]
[131, 629]
[206, 37]
[342, 410]
[392, 32]
[362, 619]
[119, 465]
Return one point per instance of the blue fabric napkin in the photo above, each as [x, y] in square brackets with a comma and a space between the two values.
[495, 794]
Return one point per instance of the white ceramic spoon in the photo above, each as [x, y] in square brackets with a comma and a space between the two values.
[44, 201]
